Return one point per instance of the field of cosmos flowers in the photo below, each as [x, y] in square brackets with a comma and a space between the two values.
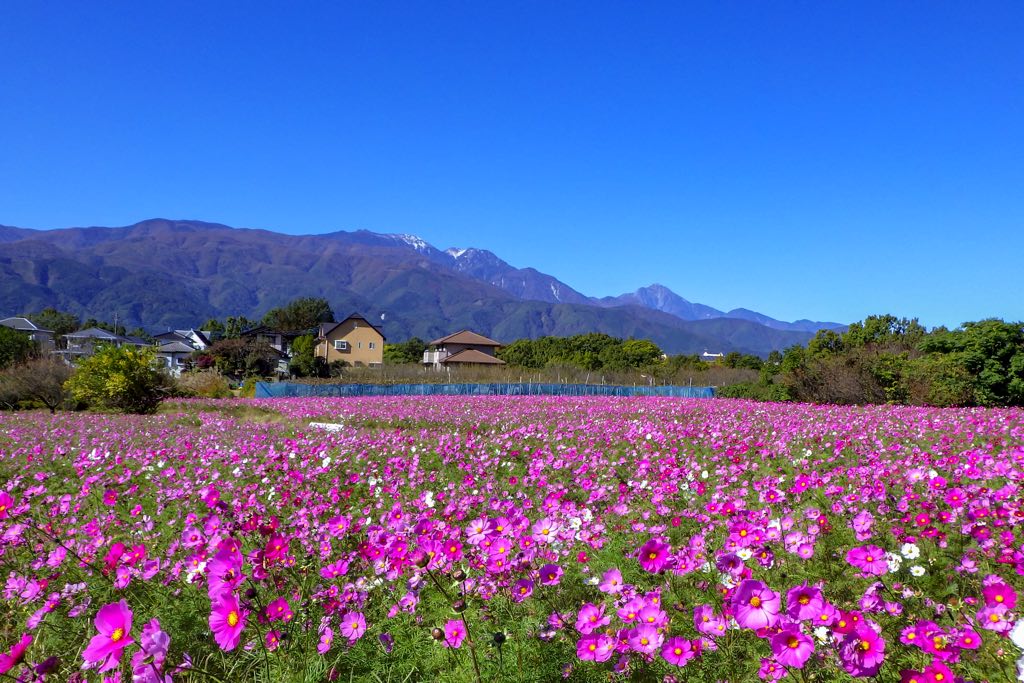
[512, 539]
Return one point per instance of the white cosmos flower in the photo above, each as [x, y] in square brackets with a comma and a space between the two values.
[910, 551]
[1017, 634]
[917, 570]
[894, 561]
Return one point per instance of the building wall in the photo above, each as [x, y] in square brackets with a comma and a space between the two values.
[360, 336]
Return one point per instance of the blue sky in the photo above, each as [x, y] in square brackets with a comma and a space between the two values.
[819, 160]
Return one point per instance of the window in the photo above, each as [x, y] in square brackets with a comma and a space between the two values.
[360, 344]
[340, 345]
[373, 345]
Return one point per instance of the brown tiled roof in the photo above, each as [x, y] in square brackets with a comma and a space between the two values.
[472, 356]
[327, 328]
[465, 337]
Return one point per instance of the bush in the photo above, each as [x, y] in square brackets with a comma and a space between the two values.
[125, 380]
[205, 383]
[755, 391]
[38, 381]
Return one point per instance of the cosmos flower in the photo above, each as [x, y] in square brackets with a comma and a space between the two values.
[227, 620]
[756, 606]
[114, 623]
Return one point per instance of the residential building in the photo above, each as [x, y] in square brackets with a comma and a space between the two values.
[354, 340]
[712, 358]
[44, 338]
[199, 340]
[85, 342]
[462, 348]
[175, 356]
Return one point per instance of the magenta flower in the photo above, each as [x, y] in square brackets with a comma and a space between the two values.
[522, 589]
[994, 619]
[279, 609]
[870, 559]
[645, 639]
[454, 634]
[654, 556]
[707, 622]
[353, 626]
[9, 660]
[611, 582]
[791, 647]
[999, 593]
[227, 621]
[591, 618]
[595, 647]
[678, 651]
[6, 503]
[544, 530]
[862, 652]
[804, 602]
[326, 638]
[755, 605]
[550, 574]
[148, 662]
[114, 623]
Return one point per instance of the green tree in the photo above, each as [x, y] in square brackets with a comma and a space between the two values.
[59, 322]
[15, 347]
[235, 325]
[406, 352]
[300, 314]
[240, 358]
[38, 380]
[125, 379]
[639, 353]
[992, 351]
[304, 362]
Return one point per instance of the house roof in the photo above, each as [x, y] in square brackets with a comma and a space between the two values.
[327, 328]
[264, 329]
[19, 323]
[465, 337]
[94, 333]
[472, 356]
[175, 347]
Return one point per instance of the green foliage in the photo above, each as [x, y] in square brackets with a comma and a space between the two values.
[405, 352]
[124, 379]
[757, 391]
[301, 314]
[15, 347]
[235, 325]
[886, 359]
[593, 351]
[58, 322]
[241, 357]
[304, 362]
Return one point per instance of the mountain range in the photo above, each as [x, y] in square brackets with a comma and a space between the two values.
[162, 274]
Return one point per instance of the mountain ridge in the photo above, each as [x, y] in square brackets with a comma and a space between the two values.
[164, 273]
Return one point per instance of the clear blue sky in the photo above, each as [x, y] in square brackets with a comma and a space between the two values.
[827, 160]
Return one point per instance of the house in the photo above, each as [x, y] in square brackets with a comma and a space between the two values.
[199, 340]
[279, 340]
[354, 340]
[712, 358]
[85, 342]
[462, 348]
[43, 338]
[174, 355]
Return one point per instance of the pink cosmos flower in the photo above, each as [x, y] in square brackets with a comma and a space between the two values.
[611, 582]
[353, 626]
[279, 610]
[870, 559]
[544, 530]
[994, 619]
[707, 622]
[999, 593]
[595, 647]
[454, 634]
[522, 589]
[9, 660]
[756, 605]
[862, 652]
[550, 574]
[771, 670]
[6, 503]
[227, 621]
[148, 662]
[804, 602]
[326, 638]
[654, 555]
[791, 647]
[114, 623]
[678, 651]
[645, 639]
[591, 618]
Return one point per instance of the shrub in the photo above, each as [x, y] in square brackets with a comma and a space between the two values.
[38, 380]
[124, 379]
[205, 383]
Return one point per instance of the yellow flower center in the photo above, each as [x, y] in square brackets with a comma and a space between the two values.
[793, 642]
[804, 599]
[117, 635]
[678, 651]
[592, 647]
[865, 645]
[994, 618]
[232, 618]
[755, 601]
[644, 641]
[652, 556]
[870, 558]
[999, 598]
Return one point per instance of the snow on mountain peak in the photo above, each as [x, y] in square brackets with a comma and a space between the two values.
[455, 252]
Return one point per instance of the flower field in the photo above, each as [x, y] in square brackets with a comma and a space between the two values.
[512, 539]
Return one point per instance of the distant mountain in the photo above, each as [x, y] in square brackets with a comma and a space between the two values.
[169, 274]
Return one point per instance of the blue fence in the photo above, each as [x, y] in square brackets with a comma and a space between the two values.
[290, 389]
